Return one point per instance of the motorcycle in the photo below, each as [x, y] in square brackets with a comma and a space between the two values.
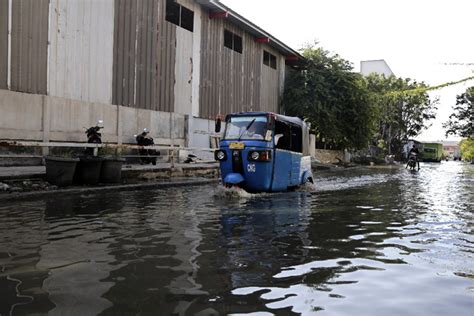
[146, 155]
[412, 161]
[94, 136]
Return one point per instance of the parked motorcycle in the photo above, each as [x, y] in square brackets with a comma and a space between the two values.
[94, 136]
[146, 155]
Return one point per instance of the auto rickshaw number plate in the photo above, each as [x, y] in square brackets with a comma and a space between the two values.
[236, 145]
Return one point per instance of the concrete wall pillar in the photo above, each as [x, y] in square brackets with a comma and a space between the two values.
[46, 123]
[119, 125]
[312, 145]
[188, 126]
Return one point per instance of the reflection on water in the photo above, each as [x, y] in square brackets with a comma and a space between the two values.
[361, 242]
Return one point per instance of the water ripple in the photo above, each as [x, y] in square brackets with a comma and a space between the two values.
[402, 241]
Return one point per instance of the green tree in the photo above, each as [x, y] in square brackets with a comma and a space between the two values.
[467, 148]
[403, 109]
[332, 98]
[461, 122]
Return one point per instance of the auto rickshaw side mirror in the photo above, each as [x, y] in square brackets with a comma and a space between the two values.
[277, 138]
[218, 125]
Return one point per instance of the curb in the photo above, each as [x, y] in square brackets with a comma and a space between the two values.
[126, 172]
[102, 189]
[33, 175]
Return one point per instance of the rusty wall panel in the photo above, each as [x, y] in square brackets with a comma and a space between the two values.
[144, 55]
[4, 43]
[29, 42]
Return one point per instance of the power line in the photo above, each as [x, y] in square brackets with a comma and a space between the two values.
[428, 88]
[457, 64]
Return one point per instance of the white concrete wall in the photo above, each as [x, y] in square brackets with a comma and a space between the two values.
[69, 118]
[81, 34]
[375, 66]
[188, 64]
[282, 72]
[198, 15]
[200, 131]
[21, 116]
[133, 121]
[183, 72]
[43, 118]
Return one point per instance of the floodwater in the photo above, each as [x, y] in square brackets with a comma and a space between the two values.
[361, 242]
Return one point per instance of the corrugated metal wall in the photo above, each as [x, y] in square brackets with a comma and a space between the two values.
[124, 52]
[166, 61]
[144, 55]
[230, 82]
[81, 51]
[29, 40]
[211, 49]
[252, 74]
[270, 84]
[3, 43]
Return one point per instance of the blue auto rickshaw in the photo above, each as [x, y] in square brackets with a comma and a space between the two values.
[264, 152]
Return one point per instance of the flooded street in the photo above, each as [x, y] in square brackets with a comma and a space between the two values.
[361, 242]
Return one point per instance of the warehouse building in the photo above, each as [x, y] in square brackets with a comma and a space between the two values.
[170, 66]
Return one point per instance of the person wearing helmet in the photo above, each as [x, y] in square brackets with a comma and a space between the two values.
[414, 151]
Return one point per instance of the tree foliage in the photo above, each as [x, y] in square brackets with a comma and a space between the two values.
[400, 115]
[351, 111]
[332, 98]
[467, 148]
[461, 121]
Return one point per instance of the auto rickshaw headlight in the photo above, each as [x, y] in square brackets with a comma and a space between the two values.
[261, 155]
[220, 155]
[255, 155]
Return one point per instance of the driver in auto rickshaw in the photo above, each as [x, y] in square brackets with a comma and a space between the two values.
[255, 131]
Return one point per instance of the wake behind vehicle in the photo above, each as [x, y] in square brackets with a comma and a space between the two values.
[264, 152]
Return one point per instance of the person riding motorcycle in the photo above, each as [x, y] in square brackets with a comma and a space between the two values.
[414, 151]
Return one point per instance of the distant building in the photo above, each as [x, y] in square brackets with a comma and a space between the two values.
[451, 148]
[379, 66]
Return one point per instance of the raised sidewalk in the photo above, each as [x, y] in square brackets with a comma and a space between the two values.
[28, 182]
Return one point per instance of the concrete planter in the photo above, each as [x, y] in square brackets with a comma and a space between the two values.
[111, 171]
[60, 171]
[88, 170]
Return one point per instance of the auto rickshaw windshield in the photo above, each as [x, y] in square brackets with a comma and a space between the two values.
[246, 128]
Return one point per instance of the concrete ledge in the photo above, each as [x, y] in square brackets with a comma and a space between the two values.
[102, 189]
[128, 171]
